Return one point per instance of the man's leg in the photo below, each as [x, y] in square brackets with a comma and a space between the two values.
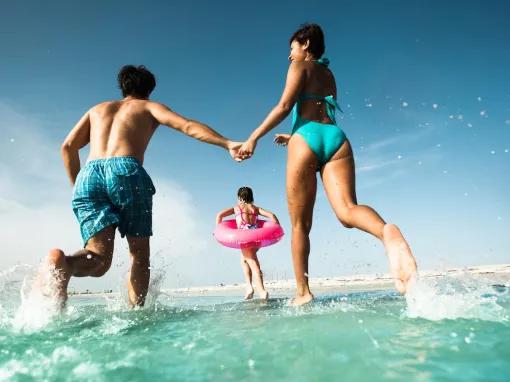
[139, 276]
[94, 260]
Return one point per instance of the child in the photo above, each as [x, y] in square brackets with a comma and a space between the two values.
[246, 217]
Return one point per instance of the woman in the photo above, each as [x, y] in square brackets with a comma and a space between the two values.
[318, 144]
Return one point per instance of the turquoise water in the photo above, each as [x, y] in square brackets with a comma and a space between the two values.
[458, 330]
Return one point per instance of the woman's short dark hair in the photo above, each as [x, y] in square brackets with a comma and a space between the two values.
[245, 194]
[312, 33]
[136, 81]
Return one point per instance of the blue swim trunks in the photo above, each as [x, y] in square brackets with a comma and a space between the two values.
[114, 191]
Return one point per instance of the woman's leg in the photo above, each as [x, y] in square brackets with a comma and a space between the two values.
[301, 191]
[339, 182]
[247, 277]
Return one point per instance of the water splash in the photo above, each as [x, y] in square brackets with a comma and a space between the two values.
[455, 297]
[40, 300]
[120, 301]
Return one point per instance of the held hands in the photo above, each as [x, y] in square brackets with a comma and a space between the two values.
[247, 150]
[240, 152]
[233, 150]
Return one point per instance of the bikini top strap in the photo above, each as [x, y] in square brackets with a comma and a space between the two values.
[323, 61]
[241, 212]
[331, 102]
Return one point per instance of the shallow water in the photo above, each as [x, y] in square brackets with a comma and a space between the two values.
[376, 336]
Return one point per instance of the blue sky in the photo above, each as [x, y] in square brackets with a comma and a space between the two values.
[424, 87]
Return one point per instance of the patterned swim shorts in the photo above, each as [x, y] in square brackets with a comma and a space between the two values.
[114, 191]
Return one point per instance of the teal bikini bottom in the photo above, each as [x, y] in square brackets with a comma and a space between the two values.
[323, 138]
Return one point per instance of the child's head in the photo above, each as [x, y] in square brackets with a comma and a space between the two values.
[245, 194]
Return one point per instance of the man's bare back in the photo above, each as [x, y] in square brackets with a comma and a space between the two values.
[121, 128]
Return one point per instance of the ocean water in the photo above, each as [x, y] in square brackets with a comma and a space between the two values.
[455, 328]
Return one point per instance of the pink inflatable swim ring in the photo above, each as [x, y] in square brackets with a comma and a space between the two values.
[267, 233]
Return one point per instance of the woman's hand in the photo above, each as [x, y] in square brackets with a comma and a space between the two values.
[281, 139]
[247, 149]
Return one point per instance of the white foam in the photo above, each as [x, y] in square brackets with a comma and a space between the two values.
[40, 302]
[454, 297]
[87, 370]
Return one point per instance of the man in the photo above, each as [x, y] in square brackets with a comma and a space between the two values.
[113, 190]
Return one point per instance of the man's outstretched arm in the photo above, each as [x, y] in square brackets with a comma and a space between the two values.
[77, 138]
[194, 129]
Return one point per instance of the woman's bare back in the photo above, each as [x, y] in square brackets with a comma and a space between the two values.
[318, 81]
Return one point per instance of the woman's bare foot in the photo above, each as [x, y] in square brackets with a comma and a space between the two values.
[249, 294]
[264, 295]
[401, 261]
[301, 299]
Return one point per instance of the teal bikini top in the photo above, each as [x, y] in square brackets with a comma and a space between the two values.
[330, 101]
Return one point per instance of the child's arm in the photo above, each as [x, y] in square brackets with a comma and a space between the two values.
[222, 214]
[268, 214]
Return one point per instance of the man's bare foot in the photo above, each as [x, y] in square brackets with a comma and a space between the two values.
[264, 295]
[301, 299]
[56, 264]
[249, 294]
[401, 261]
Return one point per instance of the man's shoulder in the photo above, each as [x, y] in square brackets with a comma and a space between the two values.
[104, 104]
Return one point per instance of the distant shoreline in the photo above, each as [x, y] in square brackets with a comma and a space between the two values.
[498, 273]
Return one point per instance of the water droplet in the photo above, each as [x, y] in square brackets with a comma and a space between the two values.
[368, 105]
[420, 163]
[122, 188]
[12, 139]
[435, 105]
[451, 116]
[251, 363]
[469, 125]
[405, 104]
[465, 194]
[467, 340]
[493, 152]
[399, 156]
[483, 113]
[506, 150]
[438, 145]
[360, 321]
[479, 99]
[445, 171]
[453, 334]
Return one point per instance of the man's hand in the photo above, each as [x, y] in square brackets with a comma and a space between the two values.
[281, 139]
[233, 150]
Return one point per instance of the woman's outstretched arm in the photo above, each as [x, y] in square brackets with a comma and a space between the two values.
[293, 86]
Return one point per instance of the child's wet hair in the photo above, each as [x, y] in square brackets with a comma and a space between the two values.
[245, 194]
